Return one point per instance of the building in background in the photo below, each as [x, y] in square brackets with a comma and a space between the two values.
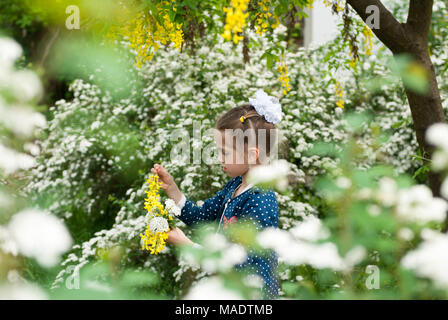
[320, 26]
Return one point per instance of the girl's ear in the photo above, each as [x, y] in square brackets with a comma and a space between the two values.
[252, 155]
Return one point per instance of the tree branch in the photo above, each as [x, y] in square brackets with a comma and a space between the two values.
[419, 17]
[391, 32]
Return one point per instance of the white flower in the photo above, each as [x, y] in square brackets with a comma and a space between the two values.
[11, 160]
[343, 182]
[26, 85]
[437, 135]
[211, 289]
[158, 224]
[172, 208]
[387, 191]
[10, 51]
[40, 235]
[21, 120]
[267, 106]
[444, 189]
[439, 160]
[355, 256]
[273, 174]
[232, 255]
[405, 234]
[215, 242]
[430, 259]
[84, 145]
[297, 252]
[416, 204]
[22, 291]
[310, 229]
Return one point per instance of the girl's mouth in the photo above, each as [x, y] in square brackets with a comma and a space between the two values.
[224, 168]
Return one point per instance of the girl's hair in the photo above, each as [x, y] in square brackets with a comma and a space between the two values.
[253, 120]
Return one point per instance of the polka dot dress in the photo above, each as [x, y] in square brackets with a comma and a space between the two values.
[254, 204]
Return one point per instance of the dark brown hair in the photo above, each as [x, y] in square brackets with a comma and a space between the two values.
[253, 120]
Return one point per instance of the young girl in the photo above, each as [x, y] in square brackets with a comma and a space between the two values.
[238, 199]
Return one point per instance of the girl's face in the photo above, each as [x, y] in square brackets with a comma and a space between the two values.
[234, 162]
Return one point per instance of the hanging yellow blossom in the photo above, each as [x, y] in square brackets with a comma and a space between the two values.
[338, 3]
[145, 34]
[263, 16]
[158, 219]
[368, 34]
[235, 20]
[284, 78]
[339, 93]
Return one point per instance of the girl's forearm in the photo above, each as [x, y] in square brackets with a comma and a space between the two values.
[175, 194]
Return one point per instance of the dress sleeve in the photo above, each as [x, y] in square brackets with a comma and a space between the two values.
[262, 210]
[191, 213]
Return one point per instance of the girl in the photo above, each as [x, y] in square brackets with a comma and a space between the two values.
[238, 199]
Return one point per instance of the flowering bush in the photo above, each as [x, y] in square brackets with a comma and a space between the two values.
[96, 154]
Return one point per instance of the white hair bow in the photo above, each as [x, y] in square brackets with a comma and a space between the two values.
[267, 106]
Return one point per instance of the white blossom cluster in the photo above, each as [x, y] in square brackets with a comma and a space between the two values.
[299, 246]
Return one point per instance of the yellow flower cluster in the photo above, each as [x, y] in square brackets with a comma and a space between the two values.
[339, 93]
[262, 17]
[284, 79]
[368, 34]
[145, 34]
[235, 20]
[338, 3]
[155, 243]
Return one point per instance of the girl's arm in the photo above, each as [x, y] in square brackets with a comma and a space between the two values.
[192, 213]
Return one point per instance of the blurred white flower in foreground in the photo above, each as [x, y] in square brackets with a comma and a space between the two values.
[430, 259]
[387, 192]
[444, 189]
[216, 254]
[211, 289]
[310, 229]
[437, 135]
[25, 85]
[39, 235]
[416, 204]
[21, 291]
[11, 160]
[274, 175]
[295, 247]
[10, 51]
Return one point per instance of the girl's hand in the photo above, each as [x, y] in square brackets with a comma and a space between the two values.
[176, 236]
[168, 183]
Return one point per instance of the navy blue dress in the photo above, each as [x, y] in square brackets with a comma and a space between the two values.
[259, 206]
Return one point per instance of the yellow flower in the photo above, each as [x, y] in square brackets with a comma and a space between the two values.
[284, 78]
[235, 20]
[339, 93]
[155, 243]
[145, 34]
[368, 41]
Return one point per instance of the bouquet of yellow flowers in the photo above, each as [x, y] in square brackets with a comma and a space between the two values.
[160, 218]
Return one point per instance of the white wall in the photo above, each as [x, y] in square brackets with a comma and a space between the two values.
[321, 26]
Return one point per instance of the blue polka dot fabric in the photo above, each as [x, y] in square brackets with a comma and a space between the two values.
[257, 205]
